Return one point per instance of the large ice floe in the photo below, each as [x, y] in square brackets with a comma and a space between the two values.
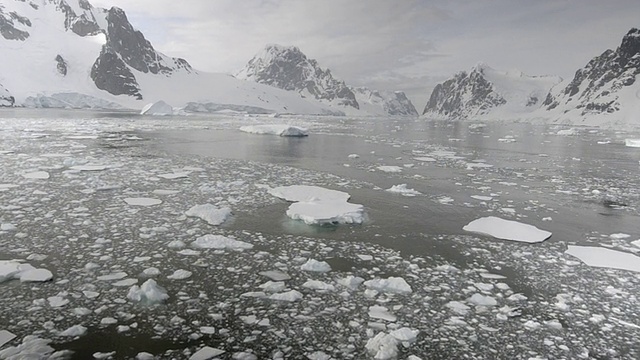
[209, 213]
[13, 269]
[275, 129]
[507, 230]
[606, 258]
[319, 206]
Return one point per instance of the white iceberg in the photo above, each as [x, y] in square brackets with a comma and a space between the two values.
[507, 230]
[326, 212]
[209, 213]
[308, 193]
[37, 175]
[275, 129]
[382, 347]
[390, 169]
[606, 258]
[148, 293]
[157, 108]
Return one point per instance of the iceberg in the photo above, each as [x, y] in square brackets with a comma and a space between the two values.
[148, 293]
[507, 230]
[209, 213]
[13, 269]
[159, 108]
[275, 129]
[219, 242]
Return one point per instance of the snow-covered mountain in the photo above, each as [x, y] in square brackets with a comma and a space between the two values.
[67, 52]
[5, 97]
[485, 92]
[377, 102]
[288, 68]
[606, 88]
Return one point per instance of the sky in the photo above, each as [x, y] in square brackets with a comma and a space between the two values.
[407, 45]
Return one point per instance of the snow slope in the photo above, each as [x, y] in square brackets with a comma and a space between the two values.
[68, 46]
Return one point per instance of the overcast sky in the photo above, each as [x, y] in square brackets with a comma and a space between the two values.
[407, 45]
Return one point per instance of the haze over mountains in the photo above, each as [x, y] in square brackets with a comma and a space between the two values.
[67, 53]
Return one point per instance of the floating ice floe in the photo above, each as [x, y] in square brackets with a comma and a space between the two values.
[38, 175]
[180, 274]
[289, 296]
[174, 176]
[206, 353]
[382, 313]
[507, 230]
[393, 285]
[275, 129]
[75, 330]
[390, 169]
[6, 187]
[142, 201]
[315, 266]
[482, 197]
[326, 212]
[632, 142]
[606, 258]
[297, 193]
[5, 337]
[210, 213]
[382, 347]
[33, 347]
[89, 167]
[12, 269]
[424, 159]
[219, 242]
[275, 275]
[403, 190]
[148, 293]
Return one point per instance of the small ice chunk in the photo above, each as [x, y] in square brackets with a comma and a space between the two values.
[315, 266]
[482, 198]
[632, 142]
[207, 330]
[206, 353]
[180, 274]
[75, 330]
[425, 159]
[290, 296]
[219, 242]
[507, 230]
[125, 282]
[458, 307]
[405, 334]
[483, 300]
[88, 167]
[151, 271]
[403, 190]
[142, 201]
[57, 301]
[5, 337]
[603, 257]
[318, 285]
[113, 276]
[275, 275]
[36, 275]
[38, 175]
[148, 293]
[209, 213]
[173, 176]
[390, 169]
[297, 193]
[273, 286]
[393, 285]
[382, 347]
[351, 282]
[381, 312]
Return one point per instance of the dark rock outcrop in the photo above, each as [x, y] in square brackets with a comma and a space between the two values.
[61, 65]
[111, 74]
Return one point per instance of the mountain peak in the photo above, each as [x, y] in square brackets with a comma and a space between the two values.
[288, 68]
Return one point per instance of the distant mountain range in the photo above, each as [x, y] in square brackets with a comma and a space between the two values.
[288, 68]
[605, 91]
[67, 53]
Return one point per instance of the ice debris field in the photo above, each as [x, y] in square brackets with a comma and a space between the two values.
[102, 236]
